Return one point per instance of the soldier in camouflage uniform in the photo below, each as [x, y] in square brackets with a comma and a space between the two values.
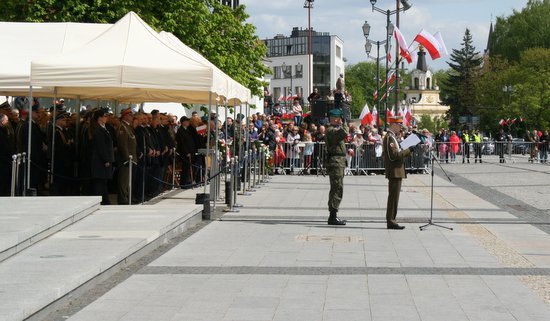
[336, 163]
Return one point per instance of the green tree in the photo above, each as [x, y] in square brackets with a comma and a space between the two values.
[216, 31]
[361, 84]
[528, 28]
[460, 87]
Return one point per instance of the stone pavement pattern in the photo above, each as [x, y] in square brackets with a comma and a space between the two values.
[277, 259]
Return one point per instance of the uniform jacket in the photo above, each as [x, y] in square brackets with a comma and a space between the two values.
[336, 145]
[394, 157]
[102, 152]
[127, 144]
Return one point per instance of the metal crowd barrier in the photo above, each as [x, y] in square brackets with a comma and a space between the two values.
[308, 158]
[18, 174]
[502, 151]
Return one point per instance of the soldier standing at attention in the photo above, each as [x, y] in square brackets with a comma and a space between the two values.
[126, 138]
[336, 135]
[394, 168]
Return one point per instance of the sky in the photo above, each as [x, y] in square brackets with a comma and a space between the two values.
[344, 18]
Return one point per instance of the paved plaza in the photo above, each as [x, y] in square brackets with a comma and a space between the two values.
[276, 259]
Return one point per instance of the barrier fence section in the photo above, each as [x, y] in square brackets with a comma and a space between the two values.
[308, 158]
[504, 151]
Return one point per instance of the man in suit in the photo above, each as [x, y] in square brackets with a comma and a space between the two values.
[186, 149]
[126, 138]
[336, 136]
[103, 156]
[38, 159]
[7, 149]
[395, 168]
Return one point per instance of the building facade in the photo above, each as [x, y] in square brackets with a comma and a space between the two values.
[289, 61]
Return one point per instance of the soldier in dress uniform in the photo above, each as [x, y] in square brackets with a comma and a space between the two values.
[103, 155]
[63, 166]
[126, 138]
[335, 163]
[395, 168]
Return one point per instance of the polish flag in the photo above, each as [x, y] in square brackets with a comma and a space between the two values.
[400, 112]
[289, 97]
[429, 42]
[408, 115]
[389, 113]
[502, 122]
[375, 95]
[403, 46]
[374, 114]
[390, 79]
[366, 116]
[282, 97]
[442, 47]
[201, 130]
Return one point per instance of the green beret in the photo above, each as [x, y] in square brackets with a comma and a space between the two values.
[336, 112]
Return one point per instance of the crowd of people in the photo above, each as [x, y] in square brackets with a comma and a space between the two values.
[91, 155]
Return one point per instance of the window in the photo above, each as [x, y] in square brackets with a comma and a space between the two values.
[299, 71]
[338, 52]
[287, 71]
[277, 72]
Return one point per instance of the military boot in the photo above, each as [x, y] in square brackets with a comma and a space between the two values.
[334, 220]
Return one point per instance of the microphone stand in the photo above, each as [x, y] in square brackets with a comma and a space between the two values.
[430, 221]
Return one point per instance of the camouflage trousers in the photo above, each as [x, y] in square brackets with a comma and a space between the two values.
[336, 177]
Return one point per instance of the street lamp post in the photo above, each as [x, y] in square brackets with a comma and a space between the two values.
[308, 4]
[390, 28]
[507, 89]
[368, 47]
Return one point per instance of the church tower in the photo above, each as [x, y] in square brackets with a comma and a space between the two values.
[422, 94]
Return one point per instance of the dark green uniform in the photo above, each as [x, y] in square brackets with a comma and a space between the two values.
[395, 172]
[335, 164]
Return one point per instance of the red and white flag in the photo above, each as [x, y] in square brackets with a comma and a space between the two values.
[429, 42]
[375, 114]
[375, 95]
[389, 113]
[201, 130]
[442, 47]
[400, 112]
[366, 116]
[289, 97]
[282, 97]
[408, 115]
[502, 122]
[403, 46]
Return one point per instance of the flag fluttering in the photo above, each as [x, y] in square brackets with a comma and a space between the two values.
[429, 42]
[441, 44]
[366, 116]
[403, 46]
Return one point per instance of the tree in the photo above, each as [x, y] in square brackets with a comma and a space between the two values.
[459, 88]
[216, 31]
[528, 28]
[361, 84]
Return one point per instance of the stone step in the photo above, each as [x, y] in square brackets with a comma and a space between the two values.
[27, 220]
[84, 253]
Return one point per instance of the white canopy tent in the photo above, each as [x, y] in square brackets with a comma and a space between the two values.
[130, 62]
[235, 89]
[46, 39]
